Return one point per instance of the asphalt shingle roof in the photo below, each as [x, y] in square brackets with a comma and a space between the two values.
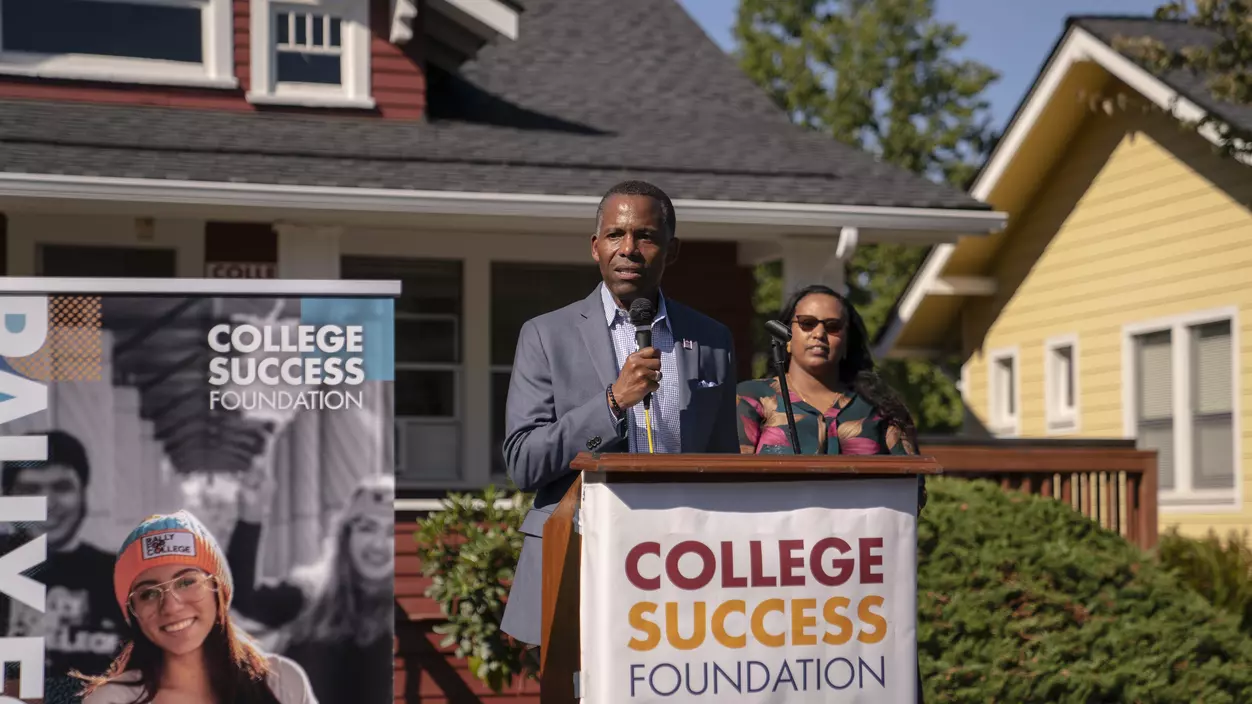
[1174, 35]
[591, 92]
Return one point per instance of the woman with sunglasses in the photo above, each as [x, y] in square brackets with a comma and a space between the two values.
[841, 405]
[174, 588]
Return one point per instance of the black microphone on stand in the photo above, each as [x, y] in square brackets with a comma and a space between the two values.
[780, 335]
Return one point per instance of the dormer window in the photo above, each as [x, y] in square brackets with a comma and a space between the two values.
[310, 48]
[309, 53]
[172, 42]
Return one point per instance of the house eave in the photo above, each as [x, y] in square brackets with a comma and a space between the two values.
[790, 217]
[1077, 45]
[487, 19]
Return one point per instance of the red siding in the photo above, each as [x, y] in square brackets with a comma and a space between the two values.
[424, 671]
[243, 44]
[398, 74]
[398, 78]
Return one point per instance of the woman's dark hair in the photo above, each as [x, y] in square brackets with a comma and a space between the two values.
[856, 369]
[237, 669]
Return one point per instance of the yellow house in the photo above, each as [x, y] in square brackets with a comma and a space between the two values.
[1117, 300]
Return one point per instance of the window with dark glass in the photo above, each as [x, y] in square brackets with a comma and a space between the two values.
[113, 262]
[138, 30]
[309, 48]
[1154, 401]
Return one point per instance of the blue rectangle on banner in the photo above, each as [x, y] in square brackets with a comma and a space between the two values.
[375, 315]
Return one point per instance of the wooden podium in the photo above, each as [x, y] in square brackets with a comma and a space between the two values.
[560, 650]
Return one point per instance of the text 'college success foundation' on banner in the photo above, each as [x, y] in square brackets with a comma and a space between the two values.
[264, 411]
[775, 592]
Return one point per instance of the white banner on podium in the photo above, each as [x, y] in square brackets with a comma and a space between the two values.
[749, 592]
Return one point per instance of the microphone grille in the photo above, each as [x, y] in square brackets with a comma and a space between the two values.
[642, 311]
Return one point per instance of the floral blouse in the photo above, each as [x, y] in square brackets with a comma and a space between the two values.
[851, 427]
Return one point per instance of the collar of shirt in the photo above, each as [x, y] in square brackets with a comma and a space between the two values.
[611, 310]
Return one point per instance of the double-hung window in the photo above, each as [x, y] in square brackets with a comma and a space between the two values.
[1181, 388]
[311, 52]
[429, 363]
[1003, 389]
[1060, 378]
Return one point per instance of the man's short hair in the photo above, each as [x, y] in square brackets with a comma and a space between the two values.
[641, 188]
[63, 449]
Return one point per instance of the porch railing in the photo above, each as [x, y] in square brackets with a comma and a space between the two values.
[1109, 481]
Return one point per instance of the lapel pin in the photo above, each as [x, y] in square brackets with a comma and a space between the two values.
[688, 345]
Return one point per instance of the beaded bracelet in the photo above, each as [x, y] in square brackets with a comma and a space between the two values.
[617, 410]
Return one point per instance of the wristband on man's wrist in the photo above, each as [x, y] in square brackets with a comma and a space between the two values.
[617, 410]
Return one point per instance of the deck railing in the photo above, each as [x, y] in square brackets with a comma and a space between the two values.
[1109, 481]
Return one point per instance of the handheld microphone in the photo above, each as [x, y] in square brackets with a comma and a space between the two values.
[641, 314]
[781, 335]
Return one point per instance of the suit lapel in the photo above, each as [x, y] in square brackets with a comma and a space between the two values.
[595, 334]
[687, 354]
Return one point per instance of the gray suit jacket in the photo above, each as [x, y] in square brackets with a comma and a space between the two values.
[557, 408]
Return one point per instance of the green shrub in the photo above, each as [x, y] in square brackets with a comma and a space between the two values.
[1021, 599]
[469, 549]
[1219, 571]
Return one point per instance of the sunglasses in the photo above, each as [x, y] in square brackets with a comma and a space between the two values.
[833, 326]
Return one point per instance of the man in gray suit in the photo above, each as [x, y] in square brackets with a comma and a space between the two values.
[578, 380]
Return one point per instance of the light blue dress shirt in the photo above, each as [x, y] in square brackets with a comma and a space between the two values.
[664, 409]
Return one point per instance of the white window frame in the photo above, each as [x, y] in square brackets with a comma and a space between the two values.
[1006, 425]
[1183, 498]
[1059, 420]
[455, 423]
[216, 71]
[353, 92]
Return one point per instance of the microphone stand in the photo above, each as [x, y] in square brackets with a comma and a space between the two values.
[780, 366]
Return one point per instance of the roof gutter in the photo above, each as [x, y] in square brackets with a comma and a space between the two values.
[379, 200]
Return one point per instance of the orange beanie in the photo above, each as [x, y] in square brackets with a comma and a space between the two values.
[174, 539]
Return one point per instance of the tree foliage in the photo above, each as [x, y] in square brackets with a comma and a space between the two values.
[1219, 570]
[884, 77]
[1224, 63]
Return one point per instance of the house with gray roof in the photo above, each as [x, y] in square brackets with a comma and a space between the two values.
[460, 146]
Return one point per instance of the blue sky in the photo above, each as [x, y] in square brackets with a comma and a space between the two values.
[1011, 36]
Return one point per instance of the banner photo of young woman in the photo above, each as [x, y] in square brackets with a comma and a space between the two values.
[197, 490]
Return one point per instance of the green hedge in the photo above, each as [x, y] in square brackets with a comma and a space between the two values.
[1219, 570]
[1020, 600]
[1023, 600]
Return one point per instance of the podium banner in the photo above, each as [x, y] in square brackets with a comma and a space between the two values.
[749, 592]
[262, 410]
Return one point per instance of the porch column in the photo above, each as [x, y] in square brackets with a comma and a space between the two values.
[811, 260]
[308, 251]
